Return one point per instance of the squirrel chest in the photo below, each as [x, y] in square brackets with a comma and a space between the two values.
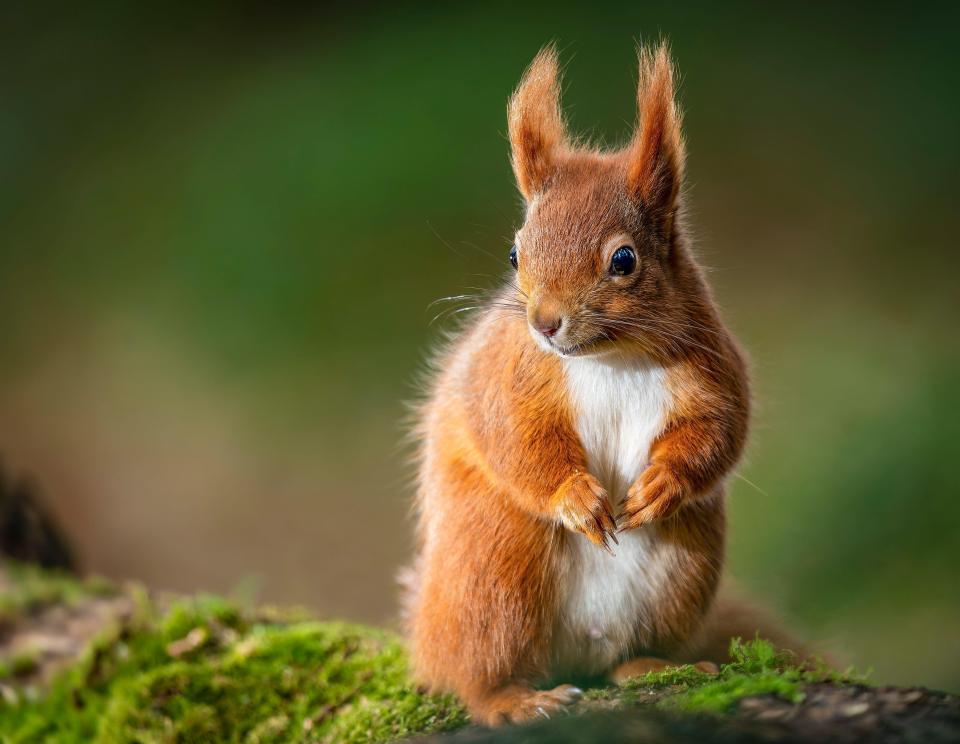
[619, 408]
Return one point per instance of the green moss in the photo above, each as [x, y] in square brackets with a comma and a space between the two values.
[204, 671]
[757, 668]
[722, 695]
[679, 676]
[18, 665]
[30, 588]
[758, 655]
[23, 663]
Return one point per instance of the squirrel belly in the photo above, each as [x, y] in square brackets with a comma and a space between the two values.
[610, 603]
[500, 593]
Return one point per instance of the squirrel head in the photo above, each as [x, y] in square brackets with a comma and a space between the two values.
[594, 256]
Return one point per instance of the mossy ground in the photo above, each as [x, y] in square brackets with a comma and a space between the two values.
[203, 669]
[25, 589]
[756, 668]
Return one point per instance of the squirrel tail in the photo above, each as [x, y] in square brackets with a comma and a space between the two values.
[733, 616]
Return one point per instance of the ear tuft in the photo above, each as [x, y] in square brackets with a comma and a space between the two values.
[537, 131]
[656, 153]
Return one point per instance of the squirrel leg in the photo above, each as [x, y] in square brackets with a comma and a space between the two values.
[518, 703]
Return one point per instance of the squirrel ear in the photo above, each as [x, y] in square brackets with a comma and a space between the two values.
[655, 155]
[537, 131]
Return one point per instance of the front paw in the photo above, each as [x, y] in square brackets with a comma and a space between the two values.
[582, 506]
[656, 495]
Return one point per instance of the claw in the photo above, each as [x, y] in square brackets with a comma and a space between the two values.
[606, 546]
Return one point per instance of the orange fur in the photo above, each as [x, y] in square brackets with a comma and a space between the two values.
[537, 132]
[504, 485]
[657, 156]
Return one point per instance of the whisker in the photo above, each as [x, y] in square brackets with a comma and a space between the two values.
[482, 250]
[751, 483]
[660, 327]
[452, 298]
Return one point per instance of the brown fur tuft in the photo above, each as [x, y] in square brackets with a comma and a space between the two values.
[656, 153]
[537, 132]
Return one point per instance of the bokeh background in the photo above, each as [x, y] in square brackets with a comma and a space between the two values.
[221, 230]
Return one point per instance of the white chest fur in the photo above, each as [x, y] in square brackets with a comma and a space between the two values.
[619, 409]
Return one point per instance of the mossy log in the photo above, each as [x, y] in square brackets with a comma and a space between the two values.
[84, 661]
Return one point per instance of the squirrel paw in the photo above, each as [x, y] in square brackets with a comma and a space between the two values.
[518, 704]
[656, 495]
[582, 506]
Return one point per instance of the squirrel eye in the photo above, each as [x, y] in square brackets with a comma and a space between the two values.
[624, 261]
[513, 255]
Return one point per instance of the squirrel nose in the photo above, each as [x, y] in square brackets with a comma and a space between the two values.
[548, 326]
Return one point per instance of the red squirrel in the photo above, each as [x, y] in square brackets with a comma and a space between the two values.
[578, 432]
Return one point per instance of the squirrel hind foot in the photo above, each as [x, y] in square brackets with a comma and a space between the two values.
[517, 704]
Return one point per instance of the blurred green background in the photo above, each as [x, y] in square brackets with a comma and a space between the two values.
[222, 229]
